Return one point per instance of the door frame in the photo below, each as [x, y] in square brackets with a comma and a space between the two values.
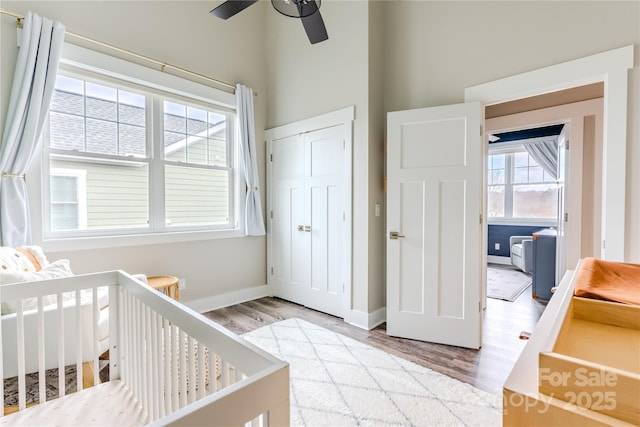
[610, 67]
[343, 117]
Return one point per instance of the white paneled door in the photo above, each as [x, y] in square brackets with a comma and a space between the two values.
[308, 219]
[434, 206]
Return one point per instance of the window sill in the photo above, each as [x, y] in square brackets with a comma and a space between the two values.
[102, 242]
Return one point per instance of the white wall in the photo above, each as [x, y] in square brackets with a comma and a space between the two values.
[182, 33]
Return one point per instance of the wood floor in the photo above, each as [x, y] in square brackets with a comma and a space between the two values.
[486, 368]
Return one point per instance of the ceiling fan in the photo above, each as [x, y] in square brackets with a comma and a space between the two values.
[307, 10]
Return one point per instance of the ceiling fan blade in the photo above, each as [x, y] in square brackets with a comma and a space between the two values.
[230, 7]
[314, 27]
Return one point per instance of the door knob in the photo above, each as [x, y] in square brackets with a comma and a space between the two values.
[301, 228]
[307, 228]
[394, 235]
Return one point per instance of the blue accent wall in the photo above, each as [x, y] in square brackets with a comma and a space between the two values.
[502, 233]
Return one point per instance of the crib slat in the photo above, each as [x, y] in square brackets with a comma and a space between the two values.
[201, 372]
[96, 345]
[213, 372]
[21, 363]
[183, 369]
[116, 332]
[146, 383]
[175, 352]
[78, 309]
[192, 371]
[138, 355]
[61, 371]
[42, 390]
[224, 378]
[166, 372]
[154, 364]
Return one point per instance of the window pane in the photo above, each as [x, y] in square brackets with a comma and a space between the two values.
[495, 201]
[497, 161]
[66, 132]
[535, 174]
[64, 189]
[521, 175]
[521, 159]
[196, 196]
[196, 121]
[117, 196]
[197, 150]
[535, 201]
[175, 117]
[132, 140]
[498, 176]
[102, 137]
[64, 216]
[131, 109]
[68, 98]
[101, 102]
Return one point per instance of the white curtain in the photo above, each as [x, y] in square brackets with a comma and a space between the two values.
[254, 222]
[545, 153]
[33, 82]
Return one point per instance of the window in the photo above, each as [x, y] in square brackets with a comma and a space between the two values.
[150, 161]
[68, 199]
[519, 189]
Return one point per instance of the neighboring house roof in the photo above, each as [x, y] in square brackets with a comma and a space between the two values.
[111, 127]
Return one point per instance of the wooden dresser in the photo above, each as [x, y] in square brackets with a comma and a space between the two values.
[580, 367]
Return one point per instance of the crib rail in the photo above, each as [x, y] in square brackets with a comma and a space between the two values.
[181, 367]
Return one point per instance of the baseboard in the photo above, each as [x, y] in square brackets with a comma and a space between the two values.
[215, 302]
[368, 321]
[494, 259]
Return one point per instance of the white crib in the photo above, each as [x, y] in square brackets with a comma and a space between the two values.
[157, 370]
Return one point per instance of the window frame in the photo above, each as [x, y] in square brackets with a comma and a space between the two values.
[87, 64]
[509, 149]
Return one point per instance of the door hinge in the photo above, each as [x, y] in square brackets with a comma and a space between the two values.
[479, 306]
[481, 133]
[567, 144]
[272, 271]
[271, 157]
[566, 217]
[343, 288]
[480, 219]
[344, 216]
[344, 144]
[271, 214]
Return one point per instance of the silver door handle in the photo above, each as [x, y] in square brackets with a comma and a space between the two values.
[307, 228]
[394, 235]
[301, 228]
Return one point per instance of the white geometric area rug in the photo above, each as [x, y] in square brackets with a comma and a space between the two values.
[338, 381]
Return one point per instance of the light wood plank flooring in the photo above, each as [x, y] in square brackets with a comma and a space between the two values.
[486, 368]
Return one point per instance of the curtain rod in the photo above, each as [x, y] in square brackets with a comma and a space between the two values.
[163, 65]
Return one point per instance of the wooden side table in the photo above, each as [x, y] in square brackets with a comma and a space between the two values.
[168, 285]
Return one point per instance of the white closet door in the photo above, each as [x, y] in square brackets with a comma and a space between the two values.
[308, 219]
[323, 211]
[290, 265]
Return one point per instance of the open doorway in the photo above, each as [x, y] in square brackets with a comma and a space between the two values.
[544, 168]
[524, 187]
